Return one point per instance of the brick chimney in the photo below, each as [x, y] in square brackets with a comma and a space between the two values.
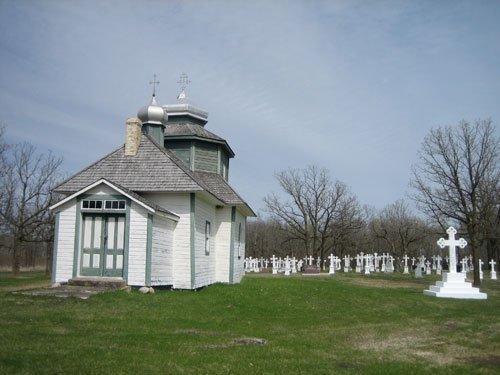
[133, 136]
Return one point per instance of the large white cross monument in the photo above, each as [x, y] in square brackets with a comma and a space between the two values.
[453, 284]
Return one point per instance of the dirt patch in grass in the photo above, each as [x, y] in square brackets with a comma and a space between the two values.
[489, 360]
[238, 342]
[453, 325]
[416, 345]
[17, 288]
[380, 283]
[60, 331]
[194, 332]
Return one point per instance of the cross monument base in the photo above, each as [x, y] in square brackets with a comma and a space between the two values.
[454, 286]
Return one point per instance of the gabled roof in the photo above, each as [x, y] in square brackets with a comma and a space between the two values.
[150, 206]
[152, 169]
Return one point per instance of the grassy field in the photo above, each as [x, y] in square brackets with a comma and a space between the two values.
[348, 323]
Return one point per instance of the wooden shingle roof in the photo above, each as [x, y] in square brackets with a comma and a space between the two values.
[217, 186]
[152, 169]
[187, 129]
[194, 131]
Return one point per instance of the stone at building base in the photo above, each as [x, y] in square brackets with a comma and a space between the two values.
[106, 282]
[454, 286]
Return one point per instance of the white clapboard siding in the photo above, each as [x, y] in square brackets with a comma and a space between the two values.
[161, 259]
[222, 244]
[204, 262]
[65, 242]
[137, 245]
[102, 190]
[178, 203]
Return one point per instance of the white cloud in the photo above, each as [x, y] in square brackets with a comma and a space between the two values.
[352, 86]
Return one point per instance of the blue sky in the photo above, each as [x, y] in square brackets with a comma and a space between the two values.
[351, 86]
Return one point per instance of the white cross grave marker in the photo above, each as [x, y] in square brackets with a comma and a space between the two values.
[451, 242]
[346, 263]
[428, 268]
[406, 257]
[464, 265]
[332, 265]
[493, 272]
[367, 264]
[358, 263]
[311, 260]
[287, 266]
[453, 284]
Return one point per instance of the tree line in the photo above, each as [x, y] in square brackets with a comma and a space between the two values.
[26, 182]
[454, 182]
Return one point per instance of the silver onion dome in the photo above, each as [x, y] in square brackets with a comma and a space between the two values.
[152, 113]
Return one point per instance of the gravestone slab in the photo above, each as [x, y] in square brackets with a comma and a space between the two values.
[311, 270]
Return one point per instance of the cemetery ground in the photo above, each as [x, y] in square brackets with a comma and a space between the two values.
[268, 324]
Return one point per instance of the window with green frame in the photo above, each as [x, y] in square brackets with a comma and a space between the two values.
[239, 241]
[207, 237]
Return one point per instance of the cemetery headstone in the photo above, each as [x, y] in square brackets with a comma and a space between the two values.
[358, 263]
[347, 261]
[300, 263]
[294, 265]
[453, 284]
[464, 264]
[428, 268]
[287, 266]
[332, 264]
[367, 264]
[493, 272]
[405, 270]
[418, 270]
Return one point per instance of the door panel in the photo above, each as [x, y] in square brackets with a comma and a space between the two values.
[103, 238]
[115, 232]
[92, 245]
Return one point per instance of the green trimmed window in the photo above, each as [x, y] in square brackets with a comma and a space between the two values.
[97, 204]
[207, 237]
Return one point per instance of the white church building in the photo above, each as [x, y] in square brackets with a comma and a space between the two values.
[157, 211]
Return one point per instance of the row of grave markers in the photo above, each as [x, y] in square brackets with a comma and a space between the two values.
[452, 285]
[365, 263]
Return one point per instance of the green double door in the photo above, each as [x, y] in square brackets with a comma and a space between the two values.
[103, 242]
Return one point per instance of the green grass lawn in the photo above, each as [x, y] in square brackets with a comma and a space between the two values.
[24, 281]
[348, 323]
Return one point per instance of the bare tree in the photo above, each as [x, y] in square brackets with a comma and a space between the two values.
[398, 228]
[25, 194]
[457, 179]
[313, 203]
[349, 218]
